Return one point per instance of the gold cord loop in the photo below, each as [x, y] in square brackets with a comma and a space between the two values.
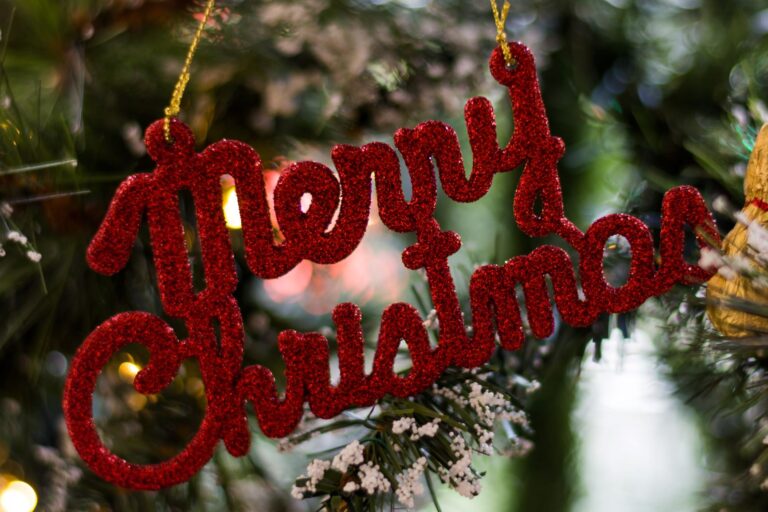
[501, 35]
[173, 109]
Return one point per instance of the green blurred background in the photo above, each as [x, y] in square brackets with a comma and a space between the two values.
[647, 94]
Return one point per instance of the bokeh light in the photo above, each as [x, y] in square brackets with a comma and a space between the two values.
[292, 284]
[231, 209]
[128, 371]
[18, 496]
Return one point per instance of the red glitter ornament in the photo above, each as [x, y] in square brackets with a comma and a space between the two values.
[494, 305]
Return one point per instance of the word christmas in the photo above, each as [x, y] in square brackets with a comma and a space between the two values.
[308, 235]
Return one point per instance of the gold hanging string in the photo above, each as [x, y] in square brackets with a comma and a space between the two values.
[173, 109]
[501, 35]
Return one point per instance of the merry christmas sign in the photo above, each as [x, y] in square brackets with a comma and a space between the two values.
[431, 153]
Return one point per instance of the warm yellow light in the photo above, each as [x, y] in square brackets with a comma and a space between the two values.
[128, 371]
[136, 401]
[231, 209]
[18, 496]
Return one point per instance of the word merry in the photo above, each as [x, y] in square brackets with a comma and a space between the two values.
[310, 235]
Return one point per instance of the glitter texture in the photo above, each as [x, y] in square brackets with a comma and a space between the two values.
[313, 236]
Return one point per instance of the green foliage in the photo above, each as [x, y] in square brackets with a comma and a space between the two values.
[647, 94]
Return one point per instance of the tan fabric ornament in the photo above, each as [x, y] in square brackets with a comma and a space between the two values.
[729, 297]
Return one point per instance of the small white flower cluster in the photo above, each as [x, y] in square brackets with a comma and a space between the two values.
[409, 483]
[370, 477]
[452, 394]
[485, 439]
[486, 403]
[372, 480]
[459, 475]
[351, 455]
[489, 407]
[15, 236]
[402, 425]
[408, 424]
[516, 417]
[21, 239]
[6, 210]
[315, 472]
[298, 492]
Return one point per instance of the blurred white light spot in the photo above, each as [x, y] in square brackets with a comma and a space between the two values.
[231, 209]
[56, 363]
[306, 202]
[640, 447]
[760, 22]
[18, 496]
